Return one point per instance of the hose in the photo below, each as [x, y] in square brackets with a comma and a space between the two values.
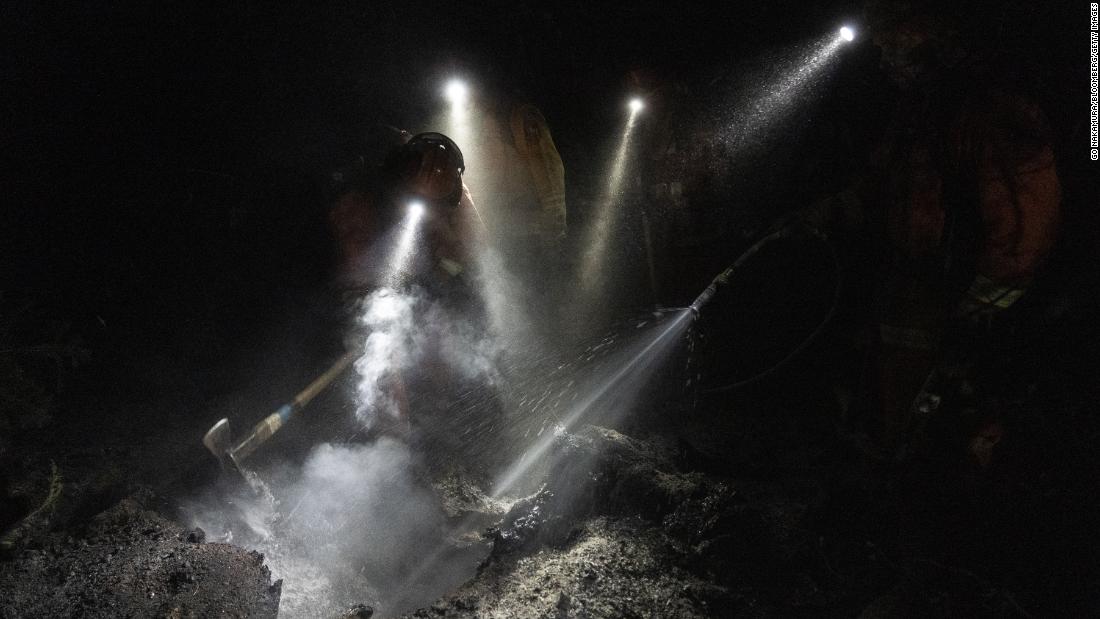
[723, 279]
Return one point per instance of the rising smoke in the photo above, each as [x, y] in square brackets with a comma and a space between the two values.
[407, 332]
[391, 346]
[349, 526]
[352, 523]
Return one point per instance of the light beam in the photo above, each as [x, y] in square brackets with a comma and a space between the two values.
[616, 393]
[403, 248]
[593, 261]
[749, 124]
[456, 92]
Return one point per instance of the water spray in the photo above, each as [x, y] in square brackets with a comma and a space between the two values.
[637, 367]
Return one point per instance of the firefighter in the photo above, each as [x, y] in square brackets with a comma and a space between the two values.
[424, 170]
[423, 173]
[963, 199]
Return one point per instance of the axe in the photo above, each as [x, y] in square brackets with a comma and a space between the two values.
[219, 439]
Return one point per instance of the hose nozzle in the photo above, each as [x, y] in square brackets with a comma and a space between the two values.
[723, 277]
[707, 294]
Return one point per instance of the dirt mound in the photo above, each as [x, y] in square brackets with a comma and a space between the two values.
[132, 562]
[590, 543]
[608, 568]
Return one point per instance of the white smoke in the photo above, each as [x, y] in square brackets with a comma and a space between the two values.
[406, 333]
[354, 523]
[351, 526]
[392, 346]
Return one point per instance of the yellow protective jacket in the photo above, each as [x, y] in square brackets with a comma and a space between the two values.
[520, 177]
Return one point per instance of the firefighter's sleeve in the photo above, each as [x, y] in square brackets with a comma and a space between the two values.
[535, 145]
[1019, 203]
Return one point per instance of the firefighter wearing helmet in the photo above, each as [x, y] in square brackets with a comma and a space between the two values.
[418, 184]
[424, 171]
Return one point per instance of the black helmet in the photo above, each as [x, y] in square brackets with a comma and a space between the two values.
[429, 166]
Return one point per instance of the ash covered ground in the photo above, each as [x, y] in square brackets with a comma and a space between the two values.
[168, 262]
[715, 509]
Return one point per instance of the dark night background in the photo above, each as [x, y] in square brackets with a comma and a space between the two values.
[151, 152]
[165, 172]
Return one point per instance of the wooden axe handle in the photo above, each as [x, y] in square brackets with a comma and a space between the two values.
[266, 428]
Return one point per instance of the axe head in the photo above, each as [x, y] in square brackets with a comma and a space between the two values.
[219, 441]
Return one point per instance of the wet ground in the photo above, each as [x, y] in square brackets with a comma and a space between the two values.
[745, 503]
[653, 525]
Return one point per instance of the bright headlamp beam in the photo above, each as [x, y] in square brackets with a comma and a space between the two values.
[402, 251]
[636, 105]
[456, 92]
[847, 34]
[595, 253]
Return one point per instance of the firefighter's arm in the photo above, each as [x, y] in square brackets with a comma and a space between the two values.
[1020, 212]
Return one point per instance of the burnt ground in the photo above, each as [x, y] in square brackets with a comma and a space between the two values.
[162, 269]
[736, 509]
[129, 561]
[744, 504]
[748, 502]
[768, 514]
